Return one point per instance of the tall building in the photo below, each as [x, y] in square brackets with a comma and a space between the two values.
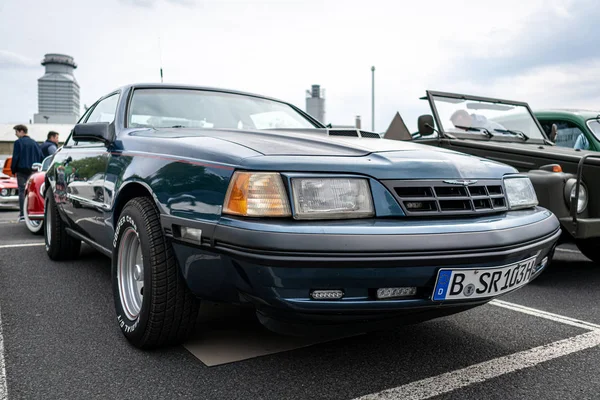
[315, 103]
[58, 91]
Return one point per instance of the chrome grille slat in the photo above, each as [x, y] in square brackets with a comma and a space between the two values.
[439, 197]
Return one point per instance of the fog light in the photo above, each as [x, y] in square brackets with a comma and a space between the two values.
[4, 192]
[389, 293]
[327, 294]
[192, 234]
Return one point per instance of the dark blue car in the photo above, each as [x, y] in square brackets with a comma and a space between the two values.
[199, 193]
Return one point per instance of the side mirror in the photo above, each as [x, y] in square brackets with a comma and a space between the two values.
[94, 132]
[553, 132]
[425, 124]
[36, 167]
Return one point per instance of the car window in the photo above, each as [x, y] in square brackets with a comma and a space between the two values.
[568, 134]
[105, 110]
[594, 126]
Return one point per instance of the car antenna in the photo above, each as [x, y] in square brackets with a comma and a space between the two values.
[160, 60]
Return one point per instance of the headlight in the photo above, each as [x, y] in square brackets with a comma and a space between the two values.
[332, 198]
[582, 202]
[4, 192]
[256, 194]
[520, 193]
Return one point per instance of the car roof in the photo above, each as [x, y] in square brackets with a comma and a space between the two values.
[581, 113]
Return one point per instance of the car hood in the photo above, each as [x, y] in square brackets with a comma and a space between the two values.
[315, 150]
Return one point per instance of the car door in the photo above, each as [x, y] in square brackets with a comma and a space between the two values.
[81, 168]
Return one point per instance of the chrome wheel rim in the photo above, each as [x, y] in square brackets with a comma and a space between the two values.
[130, 273]
[33, 225]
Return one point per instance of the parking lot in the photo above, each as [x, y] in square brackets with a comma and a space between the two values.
[60, 340]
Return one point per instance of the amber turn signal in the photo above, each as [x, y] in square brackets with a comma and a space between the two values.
[257, 194]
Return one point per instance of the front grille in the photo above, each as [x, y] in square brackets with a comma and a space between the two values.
[448, 197]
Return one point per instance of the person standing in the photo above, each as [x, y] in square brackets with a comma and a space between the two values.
[26, 152]
[50, 145]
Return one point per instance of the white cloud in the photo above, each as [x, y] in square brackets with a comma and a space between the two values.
[9, 59]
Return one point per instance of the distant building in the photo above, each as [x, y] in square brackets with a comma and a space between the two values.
[58, 91]
[315, 103]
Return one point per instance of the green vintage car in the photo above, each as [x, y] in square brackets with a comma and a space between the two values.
[576, 129]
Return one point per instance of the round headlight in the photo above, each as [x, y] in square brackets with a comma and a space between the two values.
[583, 197]
[4, 192]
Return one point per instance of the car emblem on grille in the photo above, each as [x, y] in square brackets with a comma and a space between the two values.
[462, 182]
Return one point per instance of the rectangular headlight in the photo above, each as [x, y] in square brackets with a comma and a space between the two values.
[332, 198]
[520, 193]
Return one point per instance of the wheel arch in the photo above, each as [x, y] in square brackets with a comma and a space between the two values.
[128, 191]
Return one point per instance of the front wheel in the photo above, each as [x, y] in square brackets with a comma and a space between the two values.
[590, 248]
[153, 303]
[35, 226]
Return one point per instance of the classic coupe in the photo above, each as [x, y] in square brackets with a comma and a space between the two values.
[210, 194]
[507, 131]
[9, 191]
[572, 128]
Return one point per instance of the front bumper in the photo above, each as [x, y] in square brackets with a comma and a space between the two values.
[9, 201]
[274, 269]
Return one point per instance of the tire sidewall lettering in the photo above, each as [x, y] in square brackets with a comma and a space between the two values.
[128, 327]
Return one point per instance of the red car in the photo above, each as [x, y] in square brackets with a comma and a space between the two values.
[9, 191]
[33, 204]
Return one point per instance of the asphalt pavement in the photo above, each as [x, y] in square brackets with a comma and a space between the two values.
[61, 341]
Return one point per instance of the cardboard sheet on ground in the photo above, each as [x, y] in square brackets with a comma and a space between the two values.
[231, 335]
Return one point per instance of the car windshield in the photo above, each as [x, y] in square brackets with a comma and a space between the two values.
[189, 108]
[487, 118]
[594, 125]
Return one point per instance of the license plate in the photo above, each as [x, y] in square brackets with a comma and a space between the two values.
[460, 284]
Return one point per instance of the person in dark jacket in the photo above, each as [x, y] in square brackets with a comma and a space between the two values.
[26, 152]
[50, 145]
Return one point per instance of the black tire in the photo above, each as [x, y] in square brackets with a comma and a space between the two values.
[590, 248]
[169, 310]
[59, 246]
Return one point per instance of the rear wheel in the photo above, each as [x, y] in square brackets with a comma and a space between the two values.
[590, 248]
[153, 303]
[59, 245]
[34, 225]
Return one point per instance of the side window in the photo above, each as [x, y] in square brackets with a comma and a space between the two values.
[567, 134]
[105, 110]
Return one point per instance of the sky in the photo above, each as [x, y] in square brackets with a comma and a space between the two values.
[543, 52]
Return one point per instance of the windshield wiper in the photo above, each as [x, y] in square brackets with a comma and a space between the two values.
[177, 126]
[513, 132]
[476, 129]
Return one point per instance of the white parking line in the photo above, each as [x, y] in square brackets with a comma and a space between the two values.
[6, 246]
[448, 382]
[544, 314]
[3, 387]
[568, 251]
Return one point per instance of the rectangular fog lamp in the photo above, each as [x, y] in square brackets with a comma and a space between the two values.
[390, 293]
[327, 294]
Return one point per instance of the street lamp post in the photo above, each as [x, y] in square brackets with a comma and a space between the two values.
[373, 98]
